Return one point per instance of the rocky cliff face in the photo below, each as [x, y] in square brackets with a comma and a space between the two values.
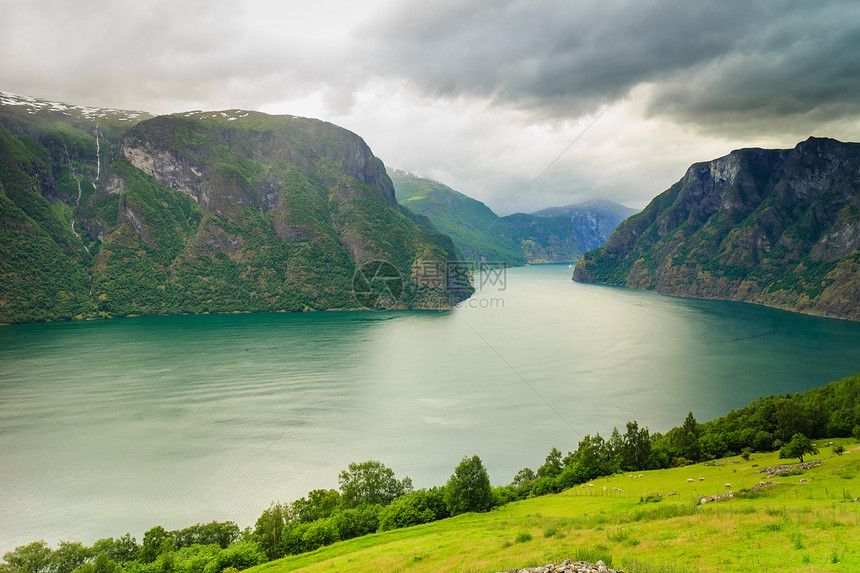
[593, 221]
[200, 212]
[773, 227]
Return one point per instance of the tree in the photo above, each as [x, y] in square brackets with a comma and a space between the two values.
[215, 532]
[120, 550]
[370, 483]
[712, 446]
[154, 543]
[690, 425]
[763, 441]
[468, 488]
[319, 533]
[687, 440]
[69, 556]
[241, 555]
[406, 511]
[32, 558]
[797, 448]
[270, 527]
[570, 476]
[594, 457]
[101, 564]
[320, 503]
[792, 419]
[615, 446]
[635, 448]
[356, 522]
[523, 476]
[552, 465]
[840, 423]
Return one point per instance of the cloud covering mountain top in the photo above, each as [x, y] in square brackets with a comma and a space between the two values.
[481, 94]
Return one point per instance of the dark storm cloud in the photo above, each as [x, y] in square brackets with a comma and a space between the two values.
[803, 69]
[483, 94]
[704, 62]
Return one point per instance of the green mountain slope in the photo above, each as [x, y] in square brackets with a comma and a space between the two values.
[479, 233]
[107, 215]
[50, 156]
[773, 227]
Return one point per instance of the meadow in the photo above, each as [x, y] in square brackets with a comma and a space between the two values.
[790, 526]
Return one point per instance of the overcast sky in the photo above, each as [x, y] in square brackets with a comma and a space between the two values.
[483, 95]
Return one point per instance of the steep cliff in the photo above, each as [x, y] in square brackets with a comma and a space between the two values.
[773, 227]
[200, 212]
[593, 221]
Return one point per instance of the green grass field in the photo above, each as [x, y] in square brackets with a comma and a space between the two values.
[814, 526]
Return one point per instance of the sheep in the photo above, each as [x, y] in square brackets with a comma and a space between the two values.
[701, 479]
[728, 485]
[690, 479]
[640, 475]
[591, 485]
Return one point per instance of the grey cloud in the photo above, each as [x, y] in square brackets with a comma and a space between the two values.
[731, 64]
[805, 73]
[549, 49]
[479, 89]
[708, 62]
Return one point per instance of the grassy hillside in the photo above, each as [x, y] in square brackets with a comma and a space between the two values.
[633, 520]
[791, 526]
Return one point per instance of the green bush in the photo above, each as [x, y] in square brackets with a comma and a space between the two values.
[523, 537]
[241, 555]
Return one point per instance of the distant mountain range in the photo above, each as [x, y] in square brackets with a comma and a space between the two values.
[774, 227]
[112, 213]
[593, 221]
[107, 212]
[560, 234]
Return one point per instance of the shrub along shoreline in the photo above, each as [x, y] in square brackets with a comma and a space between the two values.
[371, 499]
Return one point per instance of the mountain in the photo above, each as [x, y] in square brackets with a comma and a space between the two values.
[109, 213]
[544, 239]
[477, 231]
[482, 235]
[773, 227]
[593, 221]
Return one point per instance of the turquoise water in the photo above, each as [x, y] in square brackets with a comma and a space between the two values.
[115, 426]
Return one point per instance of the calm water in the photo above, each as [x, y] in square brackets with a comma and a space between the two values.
[115, 426]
